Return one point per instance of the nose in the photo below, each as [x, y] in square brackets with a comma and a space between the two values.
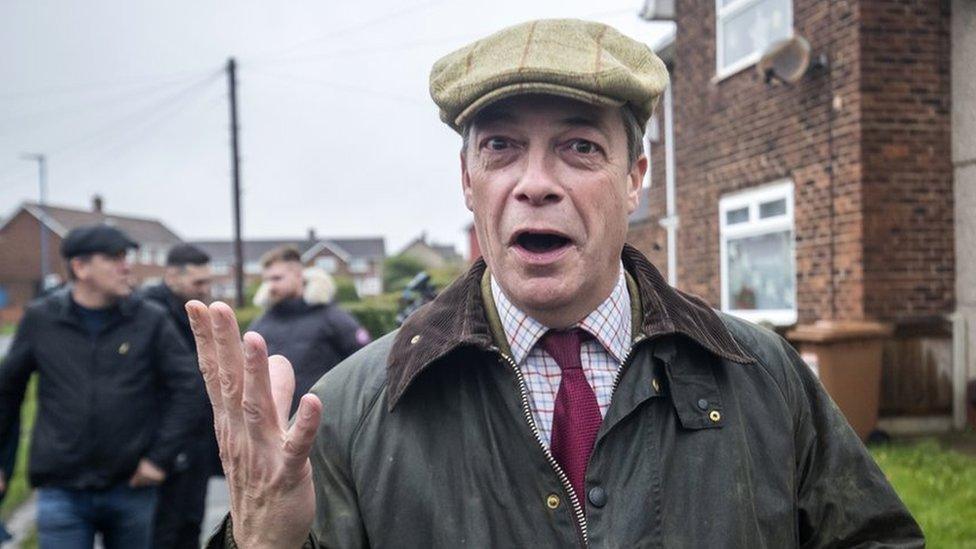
[538, 185]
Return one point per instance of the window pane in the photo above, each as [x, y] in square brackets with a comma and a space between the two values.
[753, 28]
[740, 215]
[772, 209]
[761, 272]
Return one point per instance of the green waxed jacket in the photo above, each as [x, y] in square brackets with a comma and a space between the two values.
[717, 436]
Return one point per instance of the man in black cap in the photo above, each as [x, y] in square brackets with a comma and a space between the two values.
[182, 497]
[117, 397]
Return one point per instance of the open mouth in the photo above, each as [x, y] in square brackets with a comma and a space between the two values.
[540, 242]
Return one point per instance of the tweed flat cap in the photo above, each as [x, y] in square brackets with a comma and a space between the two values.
[582, 60]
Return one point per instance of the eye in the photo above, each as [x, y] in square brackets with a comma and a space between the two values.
[582, 146]
[496, 144]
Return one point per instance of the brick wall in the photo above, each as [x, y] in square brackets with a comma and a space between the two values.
[647, 235]
[907, 173]
[20, 259]
[873, 235]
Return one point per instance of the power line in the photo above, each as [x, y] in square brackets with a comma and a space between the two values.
[135, 119]
[385, 48]
[56, 90]
[138, 115]
[111, 100]
[339, 86]
[332, 34]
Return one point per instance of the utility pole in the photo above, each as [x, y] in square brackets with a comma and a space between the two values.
[236, 173]
[42, 184]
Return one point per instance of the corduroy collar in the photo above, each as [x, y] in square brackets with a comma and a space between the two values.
[457, 317]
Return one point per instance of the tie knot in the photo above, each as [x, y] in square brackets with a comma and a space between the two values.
[564, 347]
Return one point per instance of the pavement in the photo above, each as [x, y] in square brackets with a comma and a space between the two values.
[5, 343]
[22, 522]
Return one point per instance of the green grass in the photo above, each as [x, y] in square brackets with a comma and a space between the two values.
[939, 487]
[18, 487]
[8, 329]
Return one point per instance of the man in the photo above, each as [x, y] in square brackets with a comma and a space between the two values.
[183, 496]
[116, 397]
[560, 394]
[300, 321]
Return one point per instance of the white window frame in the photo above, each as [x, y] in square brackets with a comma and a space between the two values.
[729, 11]
[755, 226]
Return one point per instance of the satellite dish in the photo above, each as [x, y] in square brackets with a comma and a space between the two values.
[785, 60]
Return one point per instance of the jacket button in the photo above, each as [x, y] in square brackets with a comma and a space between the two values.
[656, 385]
[415, 339]
[715, 416]
[552, 501]
[702, 404]
[597, 496]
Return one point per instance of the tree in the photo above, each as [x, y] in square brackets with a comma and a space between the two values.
[398, 270]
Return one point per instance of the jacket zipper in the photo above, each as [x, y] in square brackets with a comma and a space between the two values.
[578, 513]
[563, 479]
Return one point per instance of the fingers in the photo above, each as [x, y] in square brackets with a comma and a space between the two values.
[260, 414]
[206, 351]
[230, 358]
[298, 440]
[282, 387]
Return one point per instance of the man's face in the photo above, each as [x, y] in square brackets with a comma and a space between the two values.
[283, 280]
[190, 281]
[108, 275]
[550, 185]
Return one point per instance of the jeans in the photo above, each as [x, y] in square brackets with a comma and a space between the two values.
[69, 519]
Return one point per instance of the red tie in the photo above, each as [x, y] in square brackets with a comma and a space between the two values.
[576, 419]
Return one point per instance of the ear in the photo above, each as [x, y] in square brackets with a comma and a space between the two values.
[635, 180]
[79, 266]
[466, 182]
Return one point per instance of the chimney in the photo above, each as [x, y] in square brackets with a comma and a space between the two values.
[97, 203]
[311, 234]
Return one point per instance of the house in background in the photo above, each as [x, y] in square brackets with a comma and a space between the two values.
[827, 198]
[20, 248]
[359, 259]
[431, 254]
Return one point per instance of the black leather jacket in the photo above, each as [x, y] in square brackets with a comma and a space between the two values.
[105, 402]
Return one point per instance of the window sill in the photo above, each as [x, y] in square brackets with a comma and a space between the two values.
[735, 69]
[777, 318]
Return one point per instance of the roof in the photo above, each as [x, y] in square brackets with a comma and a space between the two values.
[61, 220]
[222, 251]
[445, 251]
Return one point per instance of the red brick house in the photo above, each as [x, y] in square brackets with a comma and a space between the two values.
[827, 198]
[20, 248]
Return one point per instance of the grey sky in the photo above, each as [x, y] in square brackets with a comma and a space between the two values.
[128, 100]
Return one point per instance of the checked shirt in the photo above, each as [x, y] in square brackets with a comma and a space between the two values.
[601, 356]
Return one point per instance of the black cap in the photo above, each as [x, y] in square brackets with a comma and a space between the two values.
[91, 239]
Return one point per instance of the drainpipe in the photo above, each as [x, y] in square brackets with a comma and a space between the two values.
[959, 367]
[670, 221]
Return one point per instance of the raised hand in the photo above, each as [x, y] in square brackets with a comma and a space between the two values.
[266, 463]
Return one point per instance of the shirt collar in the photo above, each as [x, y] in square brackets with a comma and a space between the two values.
[609, 323]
